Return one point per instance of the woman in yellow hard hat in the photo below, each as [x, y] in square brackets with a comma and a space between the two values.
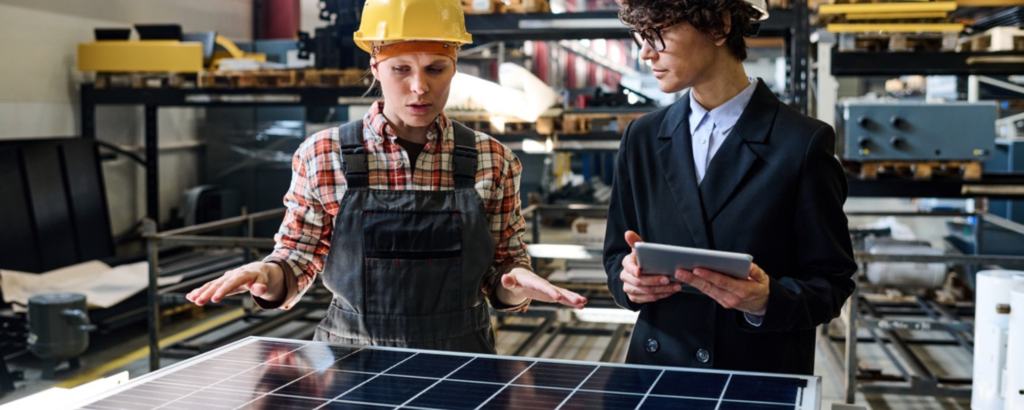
[412, 220]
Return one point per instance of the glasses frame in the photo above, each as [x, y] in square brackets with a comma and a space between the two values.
[653, 36]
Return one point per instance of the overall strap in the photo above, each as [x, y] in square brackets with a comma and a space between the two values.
[465, 158]
[353, 154]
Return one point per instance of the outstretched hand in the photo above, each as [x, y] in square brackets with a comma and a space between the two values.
[523, 284]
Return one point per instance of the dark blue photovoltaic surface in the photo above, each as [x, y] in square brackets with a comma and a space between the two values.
[272, 374]
[491, 370]
[456, 395]
[585, 400]
[622, 379]
[688, 384]
[768, 389]
[667, 403]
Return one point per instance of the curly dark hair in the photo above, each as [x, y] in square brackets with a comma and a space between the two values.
[703, 15]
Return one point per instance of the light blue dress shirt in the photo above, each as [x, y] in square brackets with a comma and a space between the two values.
[709, 129]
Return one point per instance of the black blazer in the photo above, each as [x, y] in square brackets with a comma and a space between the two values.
[774, 190]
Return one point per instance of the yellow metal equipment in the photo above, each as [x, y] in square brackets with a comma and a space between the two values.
[859, 8]
[149, 56]
[898, 16]
[895, 28]
[232, 51]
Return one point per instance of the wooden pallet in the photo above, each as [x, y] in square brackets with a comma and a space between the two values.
[581, 123]
[249, 79]
[505, 6]
[284, 78]
[493, 124]
[144, 80]
[525, 6]
[898, 42]
[919, 170]
[995, 39]
[337, 78]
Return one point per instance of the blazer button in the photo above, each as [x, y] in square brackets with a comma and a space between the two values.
[652, 345]
[703, 355]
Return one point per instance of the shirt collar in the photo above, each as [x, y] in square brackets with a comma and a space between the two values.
[725, 115]
[375, 121]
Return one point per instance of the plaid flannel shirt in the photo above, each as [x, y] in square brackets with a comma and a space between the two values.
[318, 185]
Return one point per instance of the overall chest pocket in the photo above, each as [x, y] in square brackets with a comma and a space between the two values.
[413, 262]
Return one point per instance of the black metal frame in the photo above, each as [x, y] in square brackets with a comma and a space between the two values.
[918, 380]
[925, 63]
[153, 99]
[190, 236]
[991, 185]
[915, 378]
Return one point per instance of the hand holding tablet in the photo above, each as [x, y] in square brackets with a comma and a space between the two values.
[659, 259]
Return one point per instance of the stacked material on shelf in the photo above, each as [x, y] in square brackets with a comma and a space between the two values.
[906, 25]
[505, 6]
[520, 94]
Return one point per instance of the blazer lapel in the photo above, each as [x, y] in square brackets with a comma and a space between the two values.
[737, 156]
[675, 158]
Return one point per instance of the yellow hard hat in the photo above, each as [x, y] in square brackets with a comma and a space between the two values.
[401, 20]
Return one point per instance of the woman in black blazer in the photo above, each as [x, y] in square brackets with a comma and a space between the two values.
[727, 167]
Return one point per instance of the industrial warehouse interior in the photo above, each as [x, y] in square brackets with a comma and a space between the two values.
[512, 204]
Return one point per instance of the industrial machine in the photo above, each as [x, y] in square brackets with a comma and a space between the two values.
[333, 45]
[915, 131]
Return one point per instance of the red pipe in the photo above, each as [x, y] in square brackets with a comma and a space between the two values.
[281, 19]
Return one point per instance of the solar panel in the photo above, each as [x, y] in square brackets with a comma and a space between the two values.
[270, 373]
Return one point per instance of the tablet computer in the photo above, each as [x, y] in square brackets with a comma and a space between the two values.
[658, 259]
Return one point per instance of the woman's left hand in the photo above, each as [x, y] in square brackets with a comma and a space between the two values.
[522, 284]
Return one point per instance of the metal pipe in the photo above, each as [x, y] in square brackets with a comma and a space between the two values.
[190, 283]
[1004, 223]
[941, 213]
[937, 391]
[851, 345]
[153, 257]
[865, 257]
[195, 240]
[221, 224]
[554, 334]
[912, 360]
[927, 307]
[540, 330]
[613, 344]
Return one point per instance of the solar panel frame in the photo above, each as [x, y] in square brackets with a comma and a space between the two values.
[381, 388]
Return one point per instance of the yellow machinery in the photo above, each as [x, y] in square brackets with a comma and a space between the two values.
[233, 52]
[154, 56]
[146, 56]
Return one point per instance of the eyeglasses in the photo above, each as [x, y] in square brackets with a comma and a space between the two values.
[651, 35]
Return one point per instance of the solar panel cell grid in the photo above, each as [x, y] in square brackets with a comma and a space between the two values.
[268, 373]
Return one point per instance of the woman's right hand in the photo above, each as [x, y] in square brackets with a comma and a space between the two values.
[261, 279]
[642, 288]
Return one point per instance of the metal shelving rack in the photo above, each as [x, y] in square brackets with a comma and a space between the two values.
[926, 63]
[791, 24]
[154, 99]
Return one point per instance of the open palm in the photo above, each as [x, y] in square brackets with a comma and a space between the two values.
[527, 284]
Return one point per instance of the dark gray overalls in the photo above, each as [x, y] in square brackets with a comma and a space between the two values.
[407, 267]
